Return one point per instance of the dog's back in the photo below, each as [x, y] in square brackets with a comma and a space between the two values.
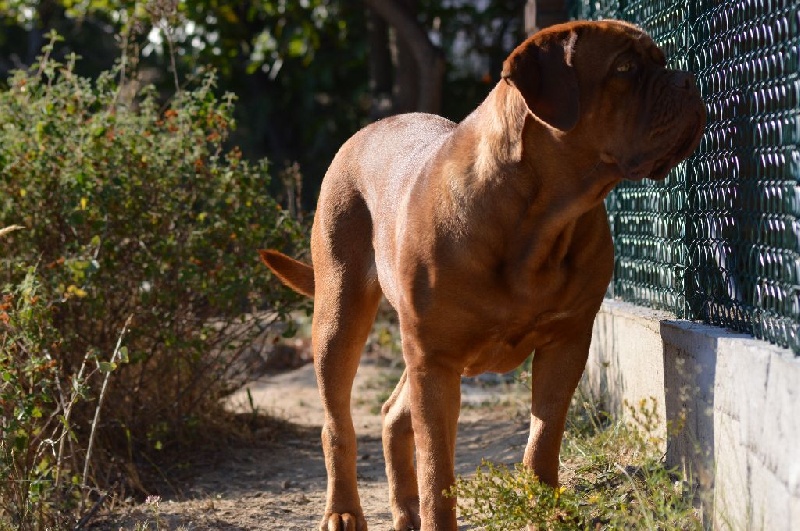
[372, 176]
[383, 156]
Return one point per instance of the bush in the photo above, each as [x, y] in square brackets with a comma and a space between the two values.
[32, 431]
[134, 212]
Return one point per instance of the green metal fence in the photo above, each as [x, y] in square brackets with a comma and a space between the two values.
[719, 240]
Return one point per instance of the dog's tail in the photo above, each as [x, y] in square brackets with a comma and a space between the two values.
[293, 273]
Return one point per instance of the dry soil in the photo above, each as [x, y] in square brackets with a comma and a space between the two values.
[280, 484]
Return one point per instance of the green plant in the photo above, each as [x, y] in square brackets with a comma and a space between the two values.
[36, 402]
[614, 475]
[136, 212]
[497, 498]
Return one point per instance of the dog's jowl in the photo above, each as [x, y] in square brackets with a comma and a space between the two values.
[490, 239]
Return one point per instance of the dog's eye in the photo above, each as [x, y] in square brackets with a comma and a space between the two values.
[625, 67]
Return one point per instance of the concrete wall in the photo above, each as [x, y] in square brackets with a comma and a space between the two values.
[732, 405]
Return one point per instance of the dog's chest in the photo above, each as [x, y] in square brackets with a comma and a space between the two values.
[555, 312]
[491, 305]
[508, 349]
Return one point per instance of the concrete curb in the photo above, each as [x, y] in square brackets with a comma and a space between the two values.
[732, 404]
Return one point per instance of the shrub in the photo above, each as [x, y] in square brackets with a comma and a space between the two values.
[31, 427]
[134, 212]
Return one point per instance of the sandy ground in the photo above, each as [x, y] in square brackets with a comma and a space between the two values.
[281, 484]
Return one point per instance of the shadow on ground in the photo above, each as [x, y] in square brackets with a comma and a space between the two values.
[278, 481]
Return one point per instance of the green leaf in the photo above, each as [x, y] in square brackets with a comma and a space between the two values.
[107, 366]
[123, 355]
[297, 46]
[291, 330]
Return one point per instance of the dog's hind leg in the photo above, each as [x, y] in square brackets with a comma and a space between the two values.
[346, 298]
[398, 450]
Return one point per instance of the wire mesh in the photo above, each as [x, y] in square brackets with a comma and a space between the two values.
[719, 239]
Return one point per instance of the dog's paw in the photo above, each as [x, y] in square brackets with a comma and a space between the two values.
[343, 522]
[406, 516]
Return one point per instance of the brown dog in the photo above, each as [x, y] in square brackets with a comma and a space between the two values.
[490, 239]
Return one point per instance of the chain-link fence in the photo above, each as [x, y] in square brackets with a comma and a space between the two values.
[719, 239]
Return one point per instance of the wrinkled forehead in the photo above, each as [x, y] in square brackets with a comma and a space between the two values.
[644, 45]
[620, 37]
[602, 40]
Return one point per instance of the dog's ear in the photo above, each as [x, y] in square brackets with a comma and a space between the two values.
[541, 69]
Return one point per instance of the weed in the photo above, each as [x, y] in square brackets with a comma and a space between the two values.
[152, 503]
[498, 499]
[614, 478]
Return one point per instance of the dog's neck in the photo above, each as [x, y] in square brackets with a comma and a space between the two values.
[497, 190]
[500, 119]
[550, 200]
[509, 137]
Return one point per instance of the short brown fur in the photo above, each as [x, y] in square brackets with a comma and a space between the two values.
[491, 240]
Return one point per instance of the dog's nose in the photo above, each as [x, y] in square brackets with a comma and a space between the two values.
[682, 80]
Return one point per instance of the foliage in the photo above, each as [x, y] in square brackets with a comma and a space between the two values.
[620, 482]
[34, 418]
[136, 213]
[476, 38]
[497, 498]
[299, 69]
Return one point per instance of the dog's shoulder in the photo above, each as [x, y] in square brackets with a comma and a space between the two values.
[397, 139]
[419, 124]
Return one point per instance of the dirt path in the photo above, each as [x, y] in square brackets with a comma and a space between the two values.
[281, 485]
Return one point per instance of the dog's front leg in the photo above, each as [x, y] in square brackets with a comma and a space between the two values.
[555, 373]
[435, 397]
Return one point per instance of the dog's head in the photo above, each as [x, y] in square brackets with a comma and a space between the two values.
[606, 87]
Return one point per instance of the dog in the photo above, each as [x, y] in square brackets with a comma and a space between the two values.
[490, 239]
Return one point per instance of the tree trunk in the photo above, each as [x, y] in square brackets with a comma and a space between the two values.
[407, 74]
[380, 66]
[428, 59]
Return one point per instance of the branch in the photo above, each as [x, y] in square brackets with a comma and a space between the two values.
[100, 400]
